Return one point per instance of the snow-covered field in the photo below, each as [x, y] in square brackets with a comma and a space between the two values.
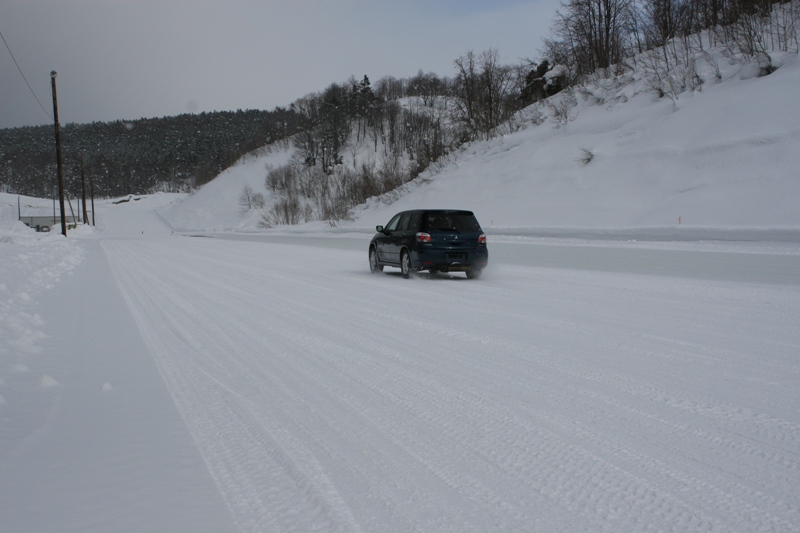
[176, 369]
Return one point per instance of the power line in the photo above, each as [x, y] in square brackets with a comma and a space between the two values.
[24, 78]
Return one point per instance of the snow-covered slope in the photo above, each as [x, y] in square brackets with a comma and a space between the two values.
[215, 206]
[723, 156]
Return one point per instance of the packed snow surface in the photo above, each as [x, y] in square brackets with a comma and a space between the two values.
[161, 382]
[630, 360]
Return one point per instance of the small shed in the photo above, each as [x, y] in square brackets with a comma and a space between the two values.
[40, 222]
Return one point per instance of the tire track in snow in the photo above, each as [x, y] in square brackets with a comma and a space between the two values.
[419, 325]
[253, 469]
[741, 506]
[308, 394]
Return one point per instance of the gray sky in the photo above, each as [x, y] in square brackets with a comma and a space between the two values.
[130, 59]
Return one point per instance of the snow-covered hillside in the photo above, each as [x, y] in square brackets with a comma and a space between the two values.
[723, 156]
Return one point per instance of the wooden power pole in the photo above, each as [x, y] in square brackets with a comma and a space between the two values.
[59, 162]
[83, 191]
[91, 187]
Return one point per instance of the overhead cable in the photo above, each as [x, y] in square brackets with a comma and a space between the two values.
[24, 78]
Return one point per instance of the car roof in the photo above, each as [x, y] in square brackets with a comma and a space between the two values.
[448, 211]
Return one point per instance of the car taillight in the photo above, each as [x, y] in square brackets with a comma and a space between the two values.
[482, 238]
[424, 237]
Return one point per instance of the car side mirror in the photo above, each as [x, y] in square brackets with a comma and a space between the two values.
[379, 229]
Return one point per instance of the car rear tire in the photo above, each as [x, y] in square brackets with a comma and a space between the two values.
[405, 264]
[474, 274]
[374, 267]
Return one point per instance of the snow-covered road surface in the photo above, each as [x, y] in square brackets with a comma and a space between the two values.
[323, 398]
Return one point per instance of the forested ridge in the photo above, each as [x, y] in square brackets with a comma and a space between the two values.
[139, 156]
[183, 152]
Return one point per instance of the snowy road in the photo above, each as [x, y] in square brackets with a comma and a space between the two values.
[324, 398]
[567, 398]
[768, 262]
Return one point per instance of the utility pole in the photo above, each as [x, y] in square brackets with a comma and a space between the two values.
[58, 155]
[91, 188]
[83, 192]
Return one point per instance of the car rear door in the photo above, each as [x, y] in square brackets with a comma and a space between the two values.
[399, 237]
[388, 244]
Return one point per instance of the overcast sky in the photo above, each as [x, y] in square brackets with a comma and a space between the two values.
[130, 59]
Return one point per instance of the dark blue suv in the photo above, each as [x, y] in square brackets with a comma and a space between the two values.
[436, 240]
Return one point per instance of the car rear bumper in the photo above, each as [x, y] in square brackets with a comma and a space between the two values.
[450, 259]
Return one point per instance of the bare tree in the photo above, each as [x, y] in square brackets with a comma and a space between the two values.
[483, 91]
[467, 91]
[285, 211]
[426, 86]
[259, 201]
[594, 32]
[246, 199]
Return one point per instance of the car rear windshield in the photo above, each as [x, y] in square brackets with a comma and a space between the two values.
[444, 221]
